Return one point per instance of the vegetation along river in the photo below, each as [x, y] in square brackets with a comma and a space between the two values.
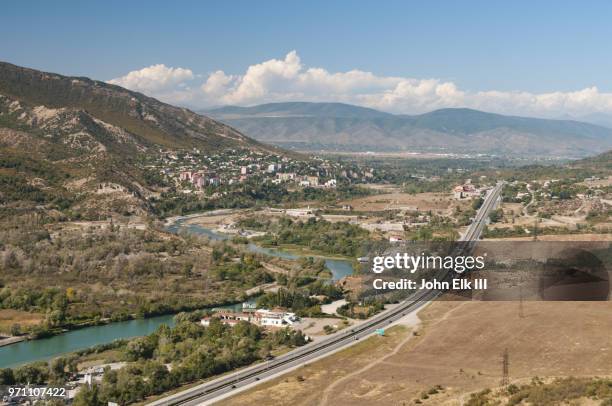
[43, 349]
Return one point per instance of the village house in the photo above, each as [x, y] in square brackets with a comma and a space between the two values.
[312, 180]
[285, 176]
[466, 191]
[330, 183]
[185, 175]
[229, 318]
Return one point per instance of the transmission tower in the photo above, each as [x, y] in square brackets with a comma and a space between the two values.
[521, 310]
[505, 366]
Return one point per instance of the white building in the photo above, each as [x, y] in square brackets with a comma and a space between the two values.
[261, 317]
[331, 183]
[307, 212]
[274, 318]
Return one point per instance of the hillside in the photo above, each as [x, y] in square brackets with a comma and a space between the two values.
[66, 141]
[335, 126]
[148, 120]
[600, 161]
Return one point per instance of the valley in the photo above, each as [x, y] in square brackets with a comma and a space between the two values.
[131, 229]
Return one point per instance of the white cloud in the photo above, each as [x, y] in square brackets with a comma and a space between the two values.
[288, 79]
[216, 84]
[154, 78]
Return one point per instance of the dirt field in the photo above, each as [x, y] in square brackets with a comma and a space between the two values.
[212, 221]
[8, 317]
[459, 347]
[439, 202]
[383, 188]
[560, 237]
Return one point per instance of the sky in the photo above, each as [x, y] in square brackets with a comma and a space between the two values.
[544, 58]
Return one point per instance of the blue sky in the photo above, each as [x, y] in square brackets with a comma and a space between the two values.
[480, 46]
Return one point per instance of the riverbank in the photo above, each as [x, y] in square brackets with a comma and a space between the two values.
[106, 330]
[299, 250]
[169, 221]
[25, 351]
[107, 321]
[4, 341]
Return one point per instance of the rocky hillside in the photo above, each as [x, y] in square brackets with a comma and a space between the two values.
[148, 120]
[70, 143]
[335, 126]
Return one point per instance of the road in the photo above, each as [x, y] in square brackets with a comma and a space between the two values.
[233, 382]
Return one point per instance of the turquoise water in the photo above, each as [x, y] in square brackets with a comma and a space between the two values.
[338, 267]
[47, 348]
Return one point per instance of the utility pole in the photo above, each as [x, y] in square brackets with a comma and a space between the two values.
[505, 367]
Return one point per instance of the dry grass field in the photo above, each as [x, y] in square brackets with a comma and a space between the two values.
[559, 237]
[458, 347]
[9, 317]
[437, 202]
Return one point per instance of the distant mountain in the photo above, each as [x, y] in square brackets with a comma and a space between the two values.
[336, 126]
[301, 109]
[62, 137]
[601, 119]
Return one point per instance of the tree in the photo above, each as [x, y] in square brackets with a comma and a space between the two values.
[70, 294]
[7, 377]
[88, 396]
[16, 329]
[158, 378]
[57, 370]
[34, 374]
[140, 348]
[496, 215]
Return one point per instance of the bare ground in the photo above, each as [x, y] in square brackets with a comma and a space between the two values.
[403, 201]
[460, 348]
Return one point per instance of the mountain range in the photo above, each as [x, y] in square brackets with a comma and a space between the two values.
[343, 127]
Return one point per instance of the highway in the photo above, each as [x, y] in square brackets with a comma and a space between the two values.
[227, 384]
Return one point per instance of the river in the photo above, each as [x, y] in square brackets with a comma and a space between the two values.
[44, 349]
[338, 267]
